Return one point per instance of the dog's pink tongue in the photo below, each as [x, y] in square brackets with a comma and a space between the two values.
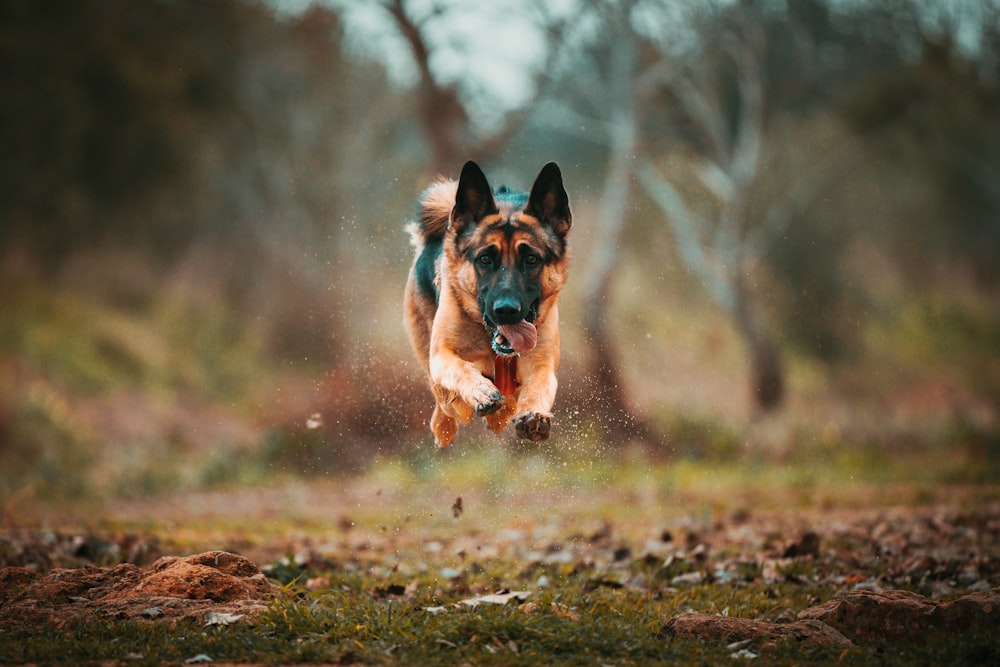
[522, 336]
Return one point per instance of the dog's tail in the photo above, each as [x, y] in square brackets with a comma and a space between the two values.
[433, 212]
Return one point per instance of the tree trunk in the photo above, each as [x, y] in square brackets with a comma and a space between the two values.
[604, 368]
[619, 423]
[767, 384]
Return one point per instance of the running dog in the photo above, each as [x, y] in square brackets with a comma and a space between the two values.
[482, 300]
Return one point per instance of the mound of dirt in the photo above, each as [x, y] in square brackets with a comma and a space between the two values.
[900, 615]
[858, 617]
[730, 630]
[216, 586]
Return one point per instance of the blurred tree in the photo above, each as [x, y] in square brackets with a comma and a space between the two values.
[919, 108]
[722, 97]
[611, 79]
[443, 113]
[722, 106]
[731, 98]
[594, 102]
[173, 159]
[938, 110]
[726, 97]
[213, 137]
[749, 69]
[446, 123]
[738, 92]
[87, 117]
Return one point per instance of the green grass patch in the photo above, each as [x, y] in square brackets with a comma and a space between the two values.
[93, 346]
[361, 560]
[563, 625]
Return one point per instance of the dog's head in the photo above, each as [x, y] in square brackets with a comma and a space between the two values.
[512, 246]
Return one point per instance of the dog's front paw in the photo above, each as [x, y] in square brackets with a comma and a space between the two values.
[533, 426]
[488, 401]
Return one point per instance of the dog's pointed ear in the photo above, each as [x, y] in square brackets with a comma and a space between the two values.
[473, 199]
[548, 200]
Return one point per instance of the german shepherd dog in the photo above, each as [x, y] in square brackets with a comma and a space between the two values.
[482, 300]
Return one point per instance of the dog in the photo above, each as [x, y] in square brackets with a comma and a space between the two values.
[482, 300]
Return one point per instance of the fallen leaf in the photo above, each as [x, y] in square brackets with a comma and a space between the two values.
[688, 579]
[221, 618]
[743, 654]
[565, 612]
[502, 597]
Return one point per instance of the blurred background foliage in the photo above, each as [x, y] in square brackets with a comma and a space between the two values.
[786, 239]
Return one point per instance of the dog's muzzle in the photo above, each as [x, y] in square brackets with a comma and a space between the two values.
[515, 338]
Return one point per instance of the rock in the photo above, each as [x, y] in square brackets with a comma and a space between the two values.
[729, 630]
[900, 615]
[217, 582]
[808, 545]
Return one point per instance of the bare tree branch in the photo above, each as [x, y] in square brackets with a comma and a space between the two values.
[443, 114]
[683, 225]
[715, 247]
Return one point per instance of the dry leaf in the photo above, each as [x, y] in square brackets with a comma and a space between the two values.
[528, 607]
[565, 612]
[501, 597]
[221, 618]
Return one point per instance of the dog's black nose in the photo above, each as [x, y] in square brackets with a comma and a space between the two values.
[507, 311]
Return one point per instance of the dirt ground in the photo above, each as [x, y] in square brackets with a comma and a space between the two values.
[941, 549]
[872, 568]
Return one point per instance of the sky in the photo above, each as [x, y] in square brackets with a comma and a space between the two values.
[490, 51]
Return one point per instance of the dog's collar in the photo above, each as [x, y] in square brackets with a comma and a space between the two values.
[505, 373]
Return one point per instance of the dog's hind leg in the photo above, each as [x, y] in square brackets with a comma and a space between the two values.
[444, 427]
[497, 421]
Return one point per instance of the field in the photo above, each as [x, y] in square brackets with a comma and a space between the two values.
[486, 556]
[777, 432]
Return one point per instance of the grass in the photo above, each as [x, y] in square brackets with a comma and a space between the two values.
[568, 624]
[93, 346]
[359, 560]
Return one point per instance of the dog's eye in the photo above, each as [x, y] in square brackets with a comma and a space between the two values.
[531, 259]
[485, 259]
